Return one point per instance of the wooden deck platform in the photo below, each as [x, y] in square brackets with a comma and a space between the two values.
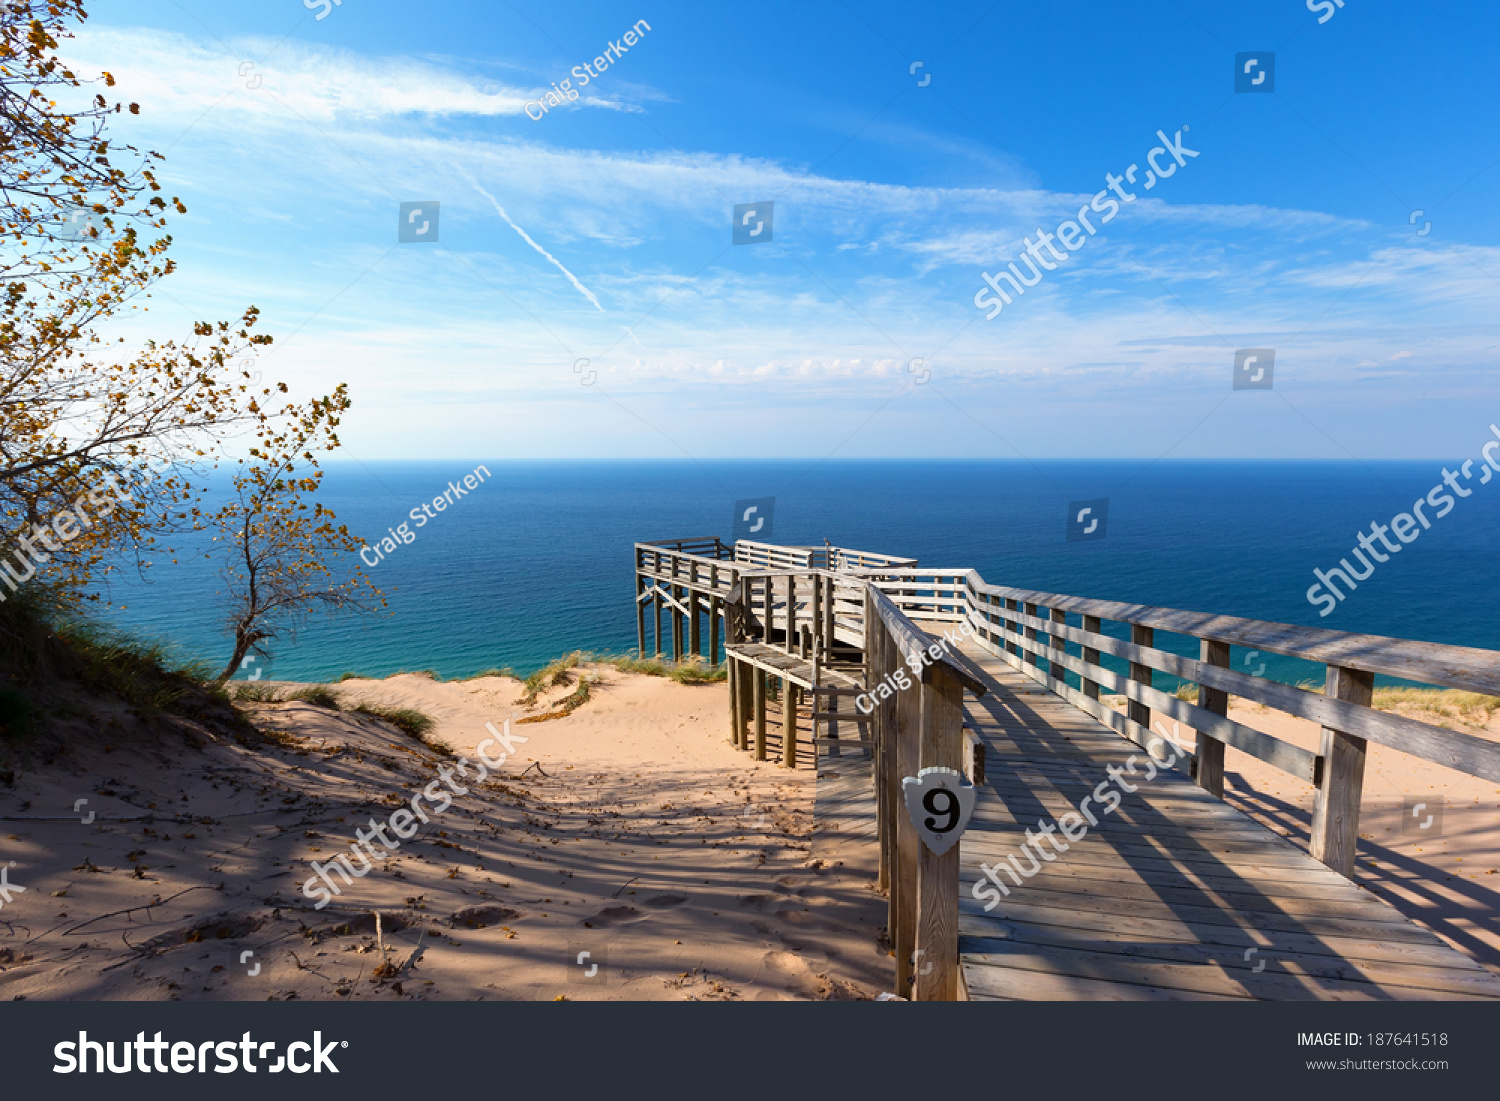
[795, 669]
[1176, 895]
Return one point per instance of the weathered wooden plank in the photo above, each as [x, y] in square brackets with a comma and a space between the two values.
[1270, 984]
[908, 744]
[937, 874]
[760, 714]
[1210, 750]
[1126, 932]
[1335, 820]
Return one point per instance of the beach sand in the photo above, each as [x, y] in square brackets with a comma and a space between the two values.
[630, 830]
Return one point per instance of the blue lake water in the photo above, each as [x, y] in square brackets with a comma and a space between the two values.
[537, 561]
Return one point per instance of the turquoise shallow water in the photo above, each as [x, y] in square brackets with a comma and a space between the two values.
[537, 561]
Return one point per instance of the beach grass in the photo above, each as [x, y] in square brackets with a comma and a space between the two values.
[319, 695]
[691, 671]
[414, 724]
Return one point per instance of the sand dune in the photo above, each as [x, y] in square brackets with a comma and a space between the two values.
[630, 830]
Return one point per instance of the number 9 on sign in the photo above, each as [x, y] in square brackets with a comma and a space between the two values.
[939, 802]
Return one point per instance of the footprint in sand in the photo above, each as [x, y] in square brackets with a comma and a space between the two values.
[481, 917]
[616, 915]
[663, 902]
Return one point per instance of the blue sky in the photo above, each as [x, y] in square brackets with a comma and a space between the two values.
[294, 140]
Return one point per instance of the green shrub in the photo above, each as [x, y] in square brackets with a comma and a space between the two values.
[412, 723]
[318, 695]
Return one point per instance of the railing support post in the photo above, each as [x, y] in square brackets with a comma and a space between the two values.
[937, 876]
[760, 714]
[695, 630]
[789, 692]
[640, 609]
[1208, 751]
[1335, 822]
[1031, 635]
[908, 738]
[734, 703]
[1060, 645]
[1140, 672]
[1091, 656]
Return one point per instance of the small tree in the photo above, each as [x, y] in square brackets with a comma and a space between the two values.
[278, 567]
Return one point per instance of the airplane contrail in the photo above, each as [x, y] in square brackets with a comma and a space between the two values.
[527, 238]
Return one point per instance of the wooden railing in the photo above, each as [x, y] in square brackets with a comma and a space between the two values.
[916, 727]
[689, 578]
[824, 603]
[826, 557]
[1065, 634]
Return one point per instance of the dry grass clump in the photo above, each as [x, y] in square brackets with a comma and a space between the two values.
[691, 671]
[1447, 705]
[410, 722]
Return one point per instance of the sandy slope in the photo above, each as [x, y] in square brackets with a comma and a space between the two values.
[630, 830]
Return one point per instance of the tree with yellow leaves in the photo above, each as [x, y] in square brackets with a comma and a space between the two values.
[280, 545]
[75, 417]
[74, 251]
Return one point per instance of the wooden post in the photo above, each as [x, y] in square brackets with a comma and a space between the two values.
[1141, 673]
[1010, 625]
[1032, 657]
[679, 623]
[1210, 751]
[789, 693]
[937, 876]
[817, 620]
[760, 714]
[715, 605]
[695, 632]
[1060, 645]
[640, 611]
[875, 641]
[747, 693]
[1091, 656]
[791, 614]
[1335, 822]
[770, 606]
[828, 623]
[734, 703]
[656, 614]
[903, 935]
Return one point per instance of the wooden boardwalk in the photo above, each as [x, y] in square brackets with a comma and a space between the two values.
[1176, 895]
[1172, 893]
